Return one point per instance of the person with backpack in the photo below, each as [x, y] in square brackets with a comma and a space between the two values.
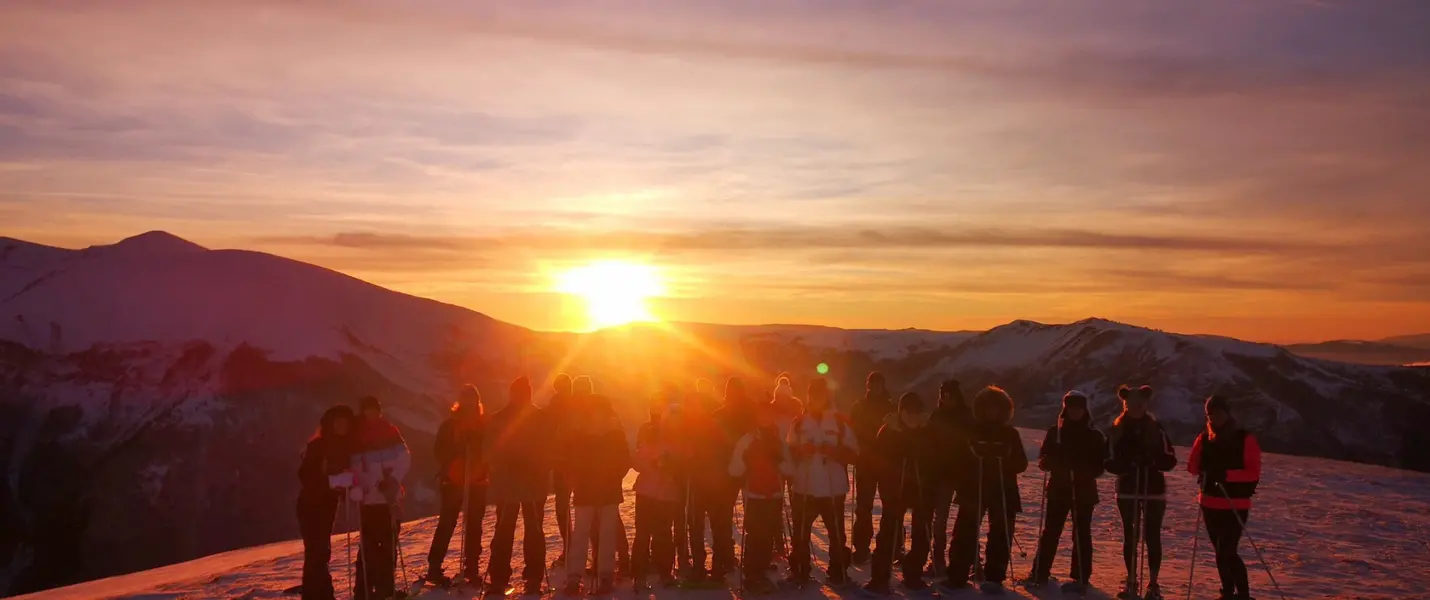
[462, 485]
[1141, 455]
[517, 444]
[989, 488]
[761, 461]
[950, 423]
[380, 462]
[905, 456]
[1226, 460]
[867, 416]
[322, 473]
[599, 460]
[1073, 455]
[823, 445]
[657, 497]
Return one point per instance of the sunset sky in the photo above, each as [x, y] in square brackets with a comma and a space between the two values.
[1255, 169]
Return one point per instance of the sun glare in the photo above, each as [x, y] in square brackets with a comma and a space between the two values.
[615, 292]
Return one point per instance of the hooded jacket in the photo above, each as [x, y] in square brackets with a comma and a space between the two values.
[762, 461]
[823, 446]
[654, 459]
[1074, 454]
[459, 439]
[597, 464]
[907, 460]
[1141, 454]
[952, 425]
[867, 417]
[327, 454]
[517, 449]
[380, 462]
[704, 452]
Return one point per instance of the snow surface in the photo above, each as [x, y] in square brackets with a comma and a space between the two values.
[1328, 529]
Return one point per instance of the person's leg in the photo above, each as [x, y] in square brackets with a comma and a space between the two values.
[799, 562]
[315, 523]
[919, 535]
[722, 536]
[503, 537]
[377, 527]
[866, 483]
[1235, 566]
[942, 509]
[645, 529]
[1000, 527]
[831, 511]
[473, 517]
[664, 518]
[883, 558]
[1127, 509]
[1216, 524]
[1082, 534]
[682, 532]
[1057, 514]
[623, 545]
[608, 517]
[449, 509]
[964, 546]
[1152, 534]
[580, 539]
[533, 542]
[699, 508]
[761, 520]
[562, 488]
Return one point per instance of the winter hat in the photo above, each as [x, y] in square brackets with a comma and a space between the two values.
[583, 386]
[703, 386]
[369, 402]
[783, 388]
[734, 390]
[817, 386]
[875, 379]
[910, 402]
[333, 415]
[1218, 403]
[520, 390]
[1073, 399]
[951, 389]
[562, 383]
[467, 397]
[993, 404]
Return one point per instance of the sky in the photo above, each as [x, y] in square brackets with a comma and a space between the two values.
[1252, 169]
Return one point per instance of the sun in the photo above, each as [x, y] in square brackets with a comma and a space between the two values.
[614, 291]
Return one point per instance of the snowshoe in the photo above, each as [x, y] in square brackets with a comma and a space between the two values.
[949, 586]
[838, 578]
[991, 588]
[495, 590]
[437, 579]
[572, 589]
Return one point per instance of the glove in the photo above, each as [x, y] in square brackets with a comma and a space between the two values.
[341, 480]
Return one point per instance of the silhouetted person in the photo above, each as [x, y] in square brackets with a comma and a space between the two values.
[867, 416]
[990, 488]
[324, 474]
[1073, 454]
[380, 462]
[905, 458]
[1227, 462]
[517, 443]
[823, 445]
[1141, 455]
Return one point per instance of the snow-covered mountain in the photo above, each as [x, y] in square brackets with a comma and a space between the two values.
[154, 394]
[1361, 352]
[1328, 529]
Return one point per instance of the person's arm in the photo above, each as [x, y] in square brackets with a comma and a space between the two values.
[1018, 459]
[310, 466]
[442, 447]
[1097, 460]
[1194, 460]
[1116, 463]
[737, 458]
[1048, 452]
[848, 449]
[1250, 470]
[1167, 459]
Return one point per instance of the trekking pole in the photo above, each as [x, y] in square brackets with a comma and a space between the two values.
[397, 545]
[1008, 520]
[1138, 539]
[1196, 540]
[364, 557]
[978, 573]
[1242, 522]
[466, 513]
[1080, 573]
[744, 554]
[1043, 524]
[348, 534]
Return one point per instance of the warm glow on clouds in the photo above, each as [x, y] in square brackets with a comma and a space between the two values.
[1252, 169]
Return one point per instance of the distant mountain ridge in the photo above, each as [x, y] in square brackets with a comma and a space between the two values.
[150, 388]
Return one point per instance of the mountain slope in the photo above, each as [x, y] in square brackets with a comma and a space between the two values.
[1366, 353]
[1328, 529]
[1421, 341]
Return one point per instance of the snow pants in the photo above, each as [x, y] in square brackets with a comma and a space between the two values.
[656, 522]
[315, 523]
[533, 543]
[377, 554]
[603, 521]
[1150, 527]
[1225, 533]
[762, 526]
[451, 508]
[891, 527]
[718, 507]
[1053, 523]
[830, 510]
[965, 544]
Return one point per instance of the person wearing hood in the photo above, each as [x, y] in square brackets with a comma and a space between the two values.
[950, 421]
[761, 461]
[599, 460]
[1226, 460]
[1073, 455]
[657, 496]
[558, 413]
[380, 462]
[322, 473]
[989, 488]
[905, 456]
[867, 415]
[517, 445]
[462, 484]
[823, 445]
[707, 446]
[1141, 454]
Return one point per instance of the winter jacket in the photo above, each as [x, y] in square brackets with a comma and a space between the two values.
[1229, 468]
[457, 443]
[704, 453]
[597, 465]
[762, 460]
[951, 425]
[823, 446]
[907, 462]
[1074, 454]
[517, 450]
[655, 460]
[380, 461]
[322, 457]
[867, 416]
[558, 416]
[1141, 454]
[734, 421]
[991, 446]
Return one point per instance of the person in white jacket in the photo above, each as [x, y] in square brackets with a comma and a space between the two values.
[761, 461]
[380, 461]
[823, 446]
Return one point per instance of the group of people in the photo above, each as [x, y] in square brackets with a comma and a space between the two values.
[787, 462]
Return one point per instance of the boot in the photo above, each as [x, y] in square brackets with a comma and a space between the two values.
[915, 583]
[878, 587]
[572, 588]
[435, 577]
[606, 586]
[862, 556]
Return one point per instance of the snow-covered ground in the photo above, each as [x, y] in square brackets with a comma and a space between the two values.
[1328, 529]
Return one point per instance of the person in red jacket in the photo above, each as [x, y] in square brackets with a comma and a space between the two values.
[657, 496]
[1227, 461]
[762, 461]
[462, 482]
